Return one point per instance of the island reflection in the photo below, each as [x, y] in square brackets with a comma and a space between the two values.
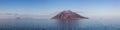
[67, 20]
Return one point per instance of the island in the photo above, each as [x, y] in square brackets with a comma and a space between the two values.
[68, 15]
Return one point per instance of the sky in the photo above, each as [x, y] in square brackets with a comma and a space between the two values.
[87, 8]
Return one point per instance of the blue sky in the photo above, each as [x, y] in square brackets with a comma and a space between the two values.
[47, 7]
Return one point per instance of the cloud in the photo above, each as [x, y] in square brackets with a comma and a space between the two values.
[14, 16]
[102, 14]
[6, 16]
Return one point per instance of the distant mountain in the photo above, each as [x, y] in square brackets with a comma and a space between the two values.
[68, 15]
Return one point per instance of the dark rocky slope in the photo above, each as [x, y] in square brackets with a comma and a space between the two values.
[68, 15]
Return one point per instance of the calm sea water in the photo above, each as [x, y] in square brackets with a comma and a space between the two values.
[51, 24]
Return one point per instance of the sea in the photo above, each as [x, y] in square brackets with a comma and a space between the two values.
[53, 24]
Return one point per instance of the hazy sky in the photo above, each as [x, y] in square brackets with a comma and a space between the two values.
[104, 8]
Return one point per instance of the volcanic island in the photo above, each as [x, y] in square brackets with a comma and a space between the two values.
[68, 15]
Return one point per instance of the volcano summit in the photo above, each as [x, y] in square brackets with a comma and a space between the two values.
[68, 15]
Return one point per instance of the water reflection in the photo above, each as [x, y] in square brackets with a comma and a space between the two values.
[50, 24]
[67, 24]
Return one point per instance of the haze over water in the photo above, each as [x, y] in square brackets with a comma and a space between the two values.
[36, 14]
[51, 24]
